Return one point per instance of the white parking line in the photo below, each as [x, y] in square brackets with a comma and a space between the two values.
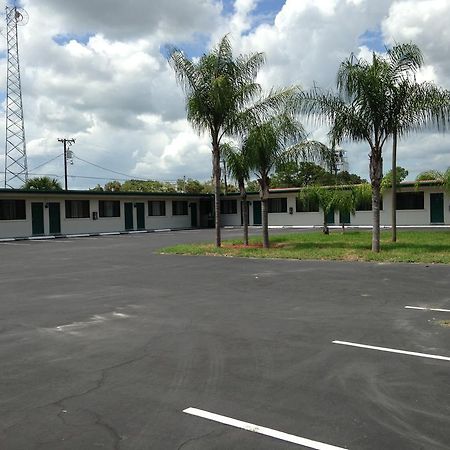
[427, 309]
[393, 350]
[261, 430]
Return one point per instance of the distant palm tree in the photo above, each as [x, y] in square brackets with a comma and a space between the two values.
[221, 98]
[443, 178]
[344, 199]
[239, 169]
[276, 141]
[362, 111]
[42, 184]
[413, 106]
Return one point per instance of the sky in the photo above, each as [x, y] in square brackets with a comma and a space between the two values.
[96, 71]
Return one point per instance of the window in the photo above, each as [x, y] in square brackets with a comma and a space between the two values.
[157, 208]
[228, 206]
[306, 205]
[12, 210]
[367, 205]
[364, 205]
[179, 208]
[410, 200]
[278, 205]
[77, 209]
[108, 208]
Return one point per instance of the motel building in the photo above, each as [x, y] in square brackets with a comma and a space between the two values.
[27, 214]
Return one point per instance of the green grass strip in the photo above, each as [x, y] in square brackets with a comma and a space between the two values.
[411, 247]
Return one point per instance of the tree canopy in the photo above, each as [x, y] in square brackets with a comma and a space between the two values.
[42, 184]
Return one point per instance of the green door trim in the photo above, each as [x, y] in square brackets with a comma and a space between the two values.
[437, 207]
[329, 217]
[194, 221]
[257, 214]
[37, 218]
[140, 216]
[54, 216]
[129, 222]
[344, 217]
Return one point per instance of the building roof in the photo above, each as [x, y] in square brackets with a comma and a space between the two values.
[72, 193]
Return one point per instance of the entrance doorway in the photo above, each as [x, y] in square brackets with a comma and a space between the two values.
[437, 208]
[37, 218]
[54, 215]
[257, 217]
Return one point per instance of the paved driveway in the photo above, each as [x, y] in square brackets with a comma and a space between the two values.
[104, 344]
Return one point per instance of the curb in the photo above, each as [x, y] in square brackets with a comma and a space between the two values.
[84, 235]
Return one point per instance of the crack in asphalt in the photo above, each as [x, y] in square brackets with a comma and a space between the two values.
[99, 421]
[202, 436]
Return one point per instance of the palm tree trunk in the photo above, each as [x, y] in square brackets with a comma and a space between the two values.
[325, 229]
[265, 221]
[376, 173]
[216, 176]
[394, 188]
[245, 214]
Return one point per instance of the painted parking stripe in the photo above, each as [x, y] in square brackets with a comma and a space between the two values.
[393, 350]
[427, 309]
[261, 430]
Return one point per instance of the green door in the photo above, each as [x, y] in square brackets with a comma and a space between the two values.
[344, 217]
[54, 216]
[37, 218]
[129, 216]
[257, 217]
[437, 208]
[194, 215]
[140, 216]
[330, 217]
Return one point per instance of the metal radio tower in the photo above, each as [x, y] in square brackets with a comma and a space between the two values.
[16, 169]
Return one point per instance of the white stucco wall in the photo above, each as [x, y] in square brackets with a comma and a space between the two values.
[23, 228]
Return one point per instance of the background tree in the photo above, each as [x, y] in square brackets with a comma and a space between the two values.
[400, 175]
[221, 94]
[147, 186]
[190, 186]
[42, 184]
[239, 169]
[306, 173]
[252, 186]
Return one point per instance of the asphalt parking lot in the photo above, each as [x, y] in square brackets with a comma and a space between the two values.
[105, 343]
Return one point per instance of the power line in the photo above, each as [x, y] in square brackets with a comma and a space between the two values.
[46, 162]
[110, 170]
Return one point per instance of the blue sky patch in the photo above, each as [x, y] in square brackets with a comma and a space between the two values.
[63, 39]
[373, 40]
[196, 47]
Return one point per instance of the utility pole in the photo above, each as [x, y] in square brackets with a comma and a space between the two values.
[67, 143]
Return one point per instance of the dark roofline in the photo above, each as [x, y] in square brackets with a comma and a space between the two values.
[186, 195]
[288, 190]
[99, 193]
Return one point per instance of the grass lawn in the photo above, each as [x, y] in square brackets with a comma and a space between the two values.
[412, 246]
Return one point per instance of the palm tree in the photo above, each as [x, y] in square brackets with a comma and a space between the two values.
[443, 178]
[238, 168]
[413, 106]
[221, 94]
[278, 139]
[344, 199]
[361, 111]
[42, 184]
